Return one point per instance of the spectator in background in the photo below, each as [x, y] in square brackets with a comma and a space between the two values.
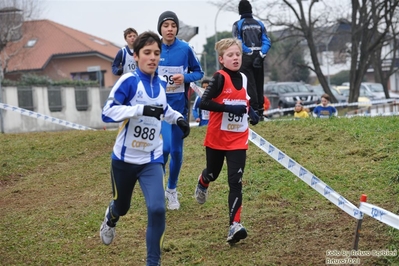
[266, 105]
[300, 111]
[124, 61]
[324, 109]
[255, 45]
[201, 116]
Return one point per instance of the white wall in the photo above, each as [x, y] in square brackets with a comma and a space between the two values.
[15, 122]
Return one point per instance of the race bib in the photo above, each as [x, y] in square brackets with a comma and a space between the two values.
[144, 133]
[234, 123]
[167, 72]
[205, 114]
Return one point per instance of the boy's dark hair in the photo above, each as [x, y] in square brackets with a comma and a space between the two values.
[326, 96]
[146, 38]
[128, 31]
[205, 81]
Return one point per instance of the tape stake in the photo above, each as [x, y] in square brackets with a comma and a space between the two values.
[363, 198]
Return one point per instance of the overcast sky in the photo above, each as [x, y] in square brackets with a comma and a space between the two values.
[108, 19]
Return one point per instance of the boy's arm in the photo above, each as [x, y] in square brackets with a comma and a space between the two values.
[213, 90]
[115, 65]
[194, 66]
[266, 43]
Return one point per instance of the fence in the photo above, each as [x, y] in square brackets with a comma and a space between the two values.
[80, 105]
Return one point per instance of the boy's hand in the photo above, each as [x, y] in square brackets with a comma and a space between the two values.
[253, 117]
[238, 110]
[153, 110]
[184, 126]
[178, 79]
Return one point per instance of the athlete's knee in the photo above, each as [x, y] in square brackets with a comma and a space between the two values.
[117, 210]
[235, 179]
[208, 177]
[157, 212]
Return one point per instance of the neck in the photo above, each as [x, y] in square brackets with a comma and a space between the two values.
[246, 15]
[168, 42]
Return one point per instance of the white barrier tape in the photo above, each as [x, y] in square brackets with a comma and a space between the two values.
[305, 175]
[299, 170]
[380, 214]
[197, 89]
[43, 117]
[374, 115]
[277, 110]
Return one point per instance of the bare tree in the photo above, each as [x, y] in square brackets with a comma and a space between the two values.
[385, 59]
[300, 20]
[371, 22]
[12, 15]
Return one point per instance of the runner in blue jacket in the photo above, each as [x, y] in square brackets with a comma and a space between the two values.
[179, 65]
[138, 103]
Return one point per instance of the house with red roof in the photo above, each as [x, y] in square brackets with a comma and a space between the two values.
[59, 52]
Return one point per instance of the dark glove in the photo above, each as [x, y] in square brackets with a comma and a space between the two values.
[253, 116]
[238, 110]
[153, 110]
[119, 72]
[184, 126]
[258, 62]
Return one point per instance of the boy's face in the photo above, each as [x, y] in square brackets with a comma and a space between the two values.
[232, 58]
[148, 58]
[324, 101]
[130, 38]
[205, 85]
[169, 30]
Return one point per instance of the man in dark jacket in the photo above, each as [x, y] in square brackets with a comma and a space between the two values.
[255, 45]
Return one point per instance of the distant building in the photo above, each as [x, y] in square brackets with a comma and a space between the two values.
[333, 46]
[59, 52]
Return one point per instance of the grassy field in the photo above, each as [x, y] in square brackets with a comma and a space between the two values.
[55, 186]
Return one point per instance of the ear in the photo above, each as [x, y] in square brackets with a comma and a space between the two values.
[135, 56]
[221, 61]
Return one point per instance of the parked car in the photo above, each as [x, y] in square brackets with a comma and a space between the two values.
[364, 95]
[286, 94]
[320, 91]
[376, 89]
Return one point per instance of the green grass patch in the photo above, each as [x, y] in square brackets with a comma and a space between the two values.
[55, 186]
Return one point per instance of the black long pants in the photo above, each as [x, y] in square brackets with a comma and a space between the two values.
[235, 160]
[255, 80]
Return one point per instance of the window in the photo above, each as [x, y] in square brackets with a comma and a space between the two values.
[99, 42]
[94, 76]
[81, 98]
[54, 99]
[25, 98]
[31, 43]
